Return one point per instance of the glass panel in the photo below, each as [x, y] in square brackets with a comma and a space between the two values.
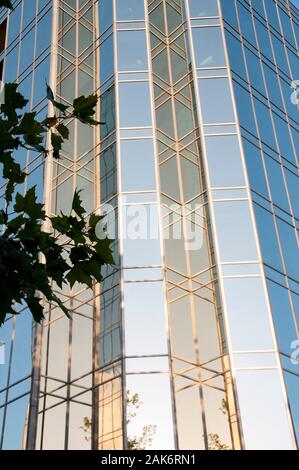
[247, 311]
[244, 361]
[208, 47]
[134, 104]
[148, 364]
[263, 410]
[80, 437]
[110, 413]
[189, 418]
[106, 59]
[224, 161]
[22, 353]
[236, 238]
[141, 236]
[105, 14]
[255, 168]
[203, 8]
[132, 51]
[54, 434]
[145, 321]
[137, 165]
[153, 393]
[290, 248]
[216, 100]
[268, 237]
[244, 108]
[283, 317]
[129, 10]
[15, 424]
[292, 383]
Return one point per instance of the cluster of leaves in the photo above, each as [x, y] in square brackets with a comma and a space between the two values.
[146, 438]
[215, 443]
[34, 260]
[6, 4]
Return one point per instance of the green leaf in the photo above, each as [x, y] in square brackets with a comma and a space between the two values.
[61, 305]
[94, 219]
[12, 171]
[36, 308]
[79, 253]
[15, 224]
[77, 204]
[56, 141]
[13, 101]
[63, 131]
[103, 250]
[29, 125]
[6, 4]
[32, 131]
[93, 268]
[85, 109]
[62, 107]
[50, 96]
[50, 122]
[77, 274]
[29, 205]
[61, 223]
[3, 217]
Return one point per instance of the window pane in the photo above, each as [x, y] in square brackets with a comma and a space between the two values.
[106, 59]
[105, 14]
[268, 237]
[137, 165]
[292, 383]
[249, 322]
[263, 411]
[132, 50]
[141, 236]
[129, 10]
[153, 392]
[290, 248]
[216, 100]
[208, 47]
[145, 327]
[236, 237]
[134, 104]
[203, 8]
[224, 161]
[283, 317]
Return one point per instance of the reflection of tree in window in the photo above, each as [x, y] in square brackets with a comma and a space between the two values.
[142, 442]
[214, 440]
[145, 440]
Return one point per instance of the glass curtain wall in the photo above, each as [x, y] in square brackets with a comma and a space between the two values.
[200, 367]
[226, 113]
[187, 342]
[262, 41]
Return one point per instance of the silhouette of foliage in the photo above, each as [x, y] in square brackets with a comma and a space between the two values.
[33, 259]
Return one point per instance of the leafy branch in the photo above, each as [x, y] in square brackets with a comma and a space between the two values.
[6, 4]
[32, 260]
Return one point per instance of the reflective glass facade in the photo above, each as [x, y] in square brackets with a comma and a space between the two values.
[189, 341]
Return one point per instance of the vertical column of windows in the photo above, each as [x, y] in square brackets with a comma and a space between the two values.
[145, 346]
[198, 363]
[250, 336]
[269, 143]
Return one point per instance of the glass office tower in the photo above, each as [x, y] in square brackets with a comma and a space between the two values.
[191, 341]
